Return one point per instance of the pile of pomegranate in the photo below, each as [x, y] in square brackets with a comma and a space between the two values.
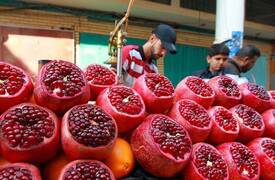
[217, 130]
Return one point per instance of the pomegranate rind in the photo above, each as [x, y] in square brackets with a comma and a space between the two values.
[253, 101]
[73, 164]
[269, 121]
[59, 104]
[153, 103]
[36, 154]
[224, 149]
[33, 169]
[125, 122]
[267, 165]
[246, 133]
[218, 135]
[182, 91]
[197, 134]
[221, 99]
[148, 153]
[96, 89]
[75, 150]
[191, 172]
[23, 95]
[272, 95]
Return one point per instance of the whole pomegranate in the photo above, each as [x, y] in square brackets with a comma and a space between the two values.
[269, 122]
[15, 86]
[60, 86]
[206, 163]
[124, 104]
[193, 117]
[99, 77]
[255, 96]
[226, 90]
[88, 132]
[264, 150]
[19, 171]
[86, 169]
[196, 89]
[29, 133]
[161, 145]
[272, 96]
[156, 91]
[242, 163]
[250, 121]
[225, 127]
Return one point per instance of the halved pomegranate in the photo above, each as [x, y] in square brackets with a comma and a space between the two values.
[242, 163]
[255, 96]
[60, 86]
[227, 91]
[156, 91]
[124, 104]
[88, 132]
[193, 117]
[161, 145]
[269, 122]
[225, 127]
[196, 89]
[19, 171]
[250, 121]
[206, 163]
[15, 86]
[272, 96]
[86, 169]
[29, 133]
[99, 77]
[264, 150]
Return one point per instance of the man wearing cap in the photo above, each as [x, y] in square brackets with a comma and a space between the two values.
[137, 60]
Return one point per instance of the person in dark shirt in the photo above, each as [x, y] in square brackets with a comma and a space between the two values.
[216, 58]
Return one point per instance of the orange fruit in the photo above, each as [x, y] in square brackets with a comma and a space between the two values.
[121, 161]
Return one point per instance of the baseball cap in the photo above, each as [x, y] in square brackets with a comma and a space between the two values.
[167, 36]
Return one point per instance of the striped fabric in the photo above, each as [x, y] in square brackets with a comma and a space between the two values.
[134, 65]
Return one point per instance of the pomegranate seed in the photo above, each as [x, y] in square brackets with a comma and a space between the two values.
[87, 170]
[171, 137]
[198, 86]
[125, 100]
[225, 120]
[17, 173]
[244, 160]
[269, 149]
[229, 87]
[209, 163]
[159, 84]
[91, 126]
[249, 116]
[194, 114]
[258, 91]
[97, 74]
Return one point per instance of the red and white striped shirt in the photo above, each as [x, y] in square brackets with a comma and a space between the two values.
[134, 65]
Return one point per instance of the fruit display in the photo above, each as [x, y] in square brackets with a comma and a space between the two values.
[84, 124]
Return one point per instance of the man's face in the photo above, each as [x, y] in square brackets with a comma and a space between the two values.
[248, 63]
[216, 62]
[157, 49]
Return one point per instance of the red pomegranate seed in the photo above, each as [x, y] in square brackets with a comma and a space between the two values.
[100, 75]
[159, 84]
[226, 120]
[198, 86]
[258, 91]
[15, 173]
[229, 87]
[250, 117]
[269, 149]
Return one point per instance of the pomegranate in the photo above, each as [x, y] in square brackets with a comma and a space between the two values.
[86, 169]
[124, 104]
[227, 91]
[99, 77]
[196, 89]
[225, 127]
[60, 86]
[272, 95]
[88, 132]
[161, 145]
[193, 117]
[15, 86]
[264, 150]
[242, 163]
[19, 171]
[250, 121]
[255, 96]
[206, 163]
[156, 91]
[269, 122]
[29, 133]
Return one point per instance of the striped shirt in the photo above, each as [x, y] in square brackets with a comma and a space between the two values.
[134, 65]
